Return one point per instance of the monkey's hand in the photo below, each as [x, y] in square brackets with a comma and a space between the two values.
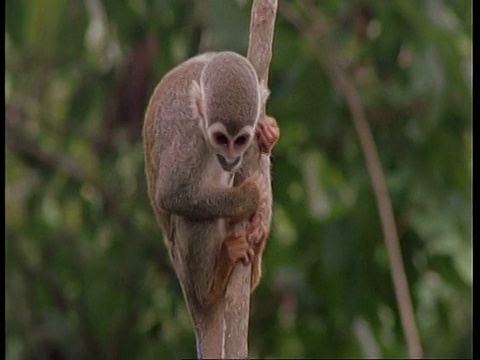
[267, 133]
[251, 187]
[234, 248]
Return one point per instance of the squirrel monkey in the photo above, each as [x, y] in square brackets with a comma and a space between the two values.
[212, 204]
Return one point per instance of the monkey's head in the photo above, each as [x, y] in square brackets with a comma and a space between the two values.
[228, 101]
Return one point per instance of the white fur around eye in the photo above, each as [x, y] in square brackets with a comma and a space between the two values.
[248, 133]
[247, 130]
[216, 128]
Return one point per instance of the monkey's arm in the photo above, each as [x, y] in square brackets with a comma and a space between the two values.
[208, 202]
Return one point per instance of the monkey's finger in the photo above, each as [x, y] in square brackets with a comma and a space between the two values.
[267, 126]
[270, 138]
[246, 258]
[265, 143]
[264, 129]
[263, 146]
[267, 139]
[272, 128]
[271, 132]
[269, 123]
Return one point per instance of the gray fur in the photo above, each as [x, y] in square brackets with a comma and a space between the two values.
[189, 191]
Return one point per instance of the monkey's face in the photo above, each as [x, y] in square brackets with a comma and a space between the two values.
[227, 101]
[228, 148]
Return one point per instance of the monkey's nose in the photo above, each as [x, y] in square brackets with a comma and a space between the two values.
[228, 164]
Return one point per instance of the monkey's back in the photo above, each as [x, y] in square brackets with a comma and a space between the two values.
[170, 112]
[170, 116]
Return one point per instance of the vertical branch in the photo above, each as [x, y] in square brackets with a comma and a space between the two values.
[260, 43]
[237, 297]
[325, 52]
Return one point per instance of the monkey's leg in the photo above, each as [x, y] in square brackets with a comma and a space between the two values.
[257, 233]
[235, 247]
[257, 228]
[267, 133]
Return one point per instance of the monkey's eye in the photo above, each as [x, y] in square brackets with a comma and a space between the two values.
[220, 138]
[241, 140]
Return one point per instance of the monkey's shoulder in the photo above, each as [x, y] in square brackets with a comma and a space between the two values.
[181, 76]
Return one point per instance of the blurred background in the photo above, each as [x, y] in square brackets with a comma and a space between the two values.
[87, 274]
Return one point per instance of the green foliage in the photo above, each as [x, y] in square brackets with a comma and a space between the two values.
[87, 274]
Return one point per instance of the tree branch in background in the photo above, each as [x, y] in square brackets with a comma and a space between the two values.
[311, 24]
[237, 297]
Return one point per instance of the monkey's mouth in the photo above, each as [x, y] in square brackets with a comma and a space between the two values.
[229, 164]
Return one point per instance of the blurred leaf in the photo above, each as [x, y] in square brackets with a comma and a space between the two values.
[87, 273]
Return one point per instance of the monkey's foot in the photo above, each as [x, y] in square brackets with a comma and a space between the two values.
[268, 134]
[234, 248]
[237, 248]
[257, 233]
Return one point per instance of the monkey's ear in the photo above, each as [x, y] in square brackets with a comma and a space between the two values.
[196, 95]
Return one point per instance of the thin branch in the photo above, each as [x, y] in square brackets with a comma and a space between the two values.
[237, 297]
[325, 52]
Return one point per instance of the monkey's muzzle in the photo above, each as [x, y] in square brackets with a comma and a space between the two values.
[228, 164]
